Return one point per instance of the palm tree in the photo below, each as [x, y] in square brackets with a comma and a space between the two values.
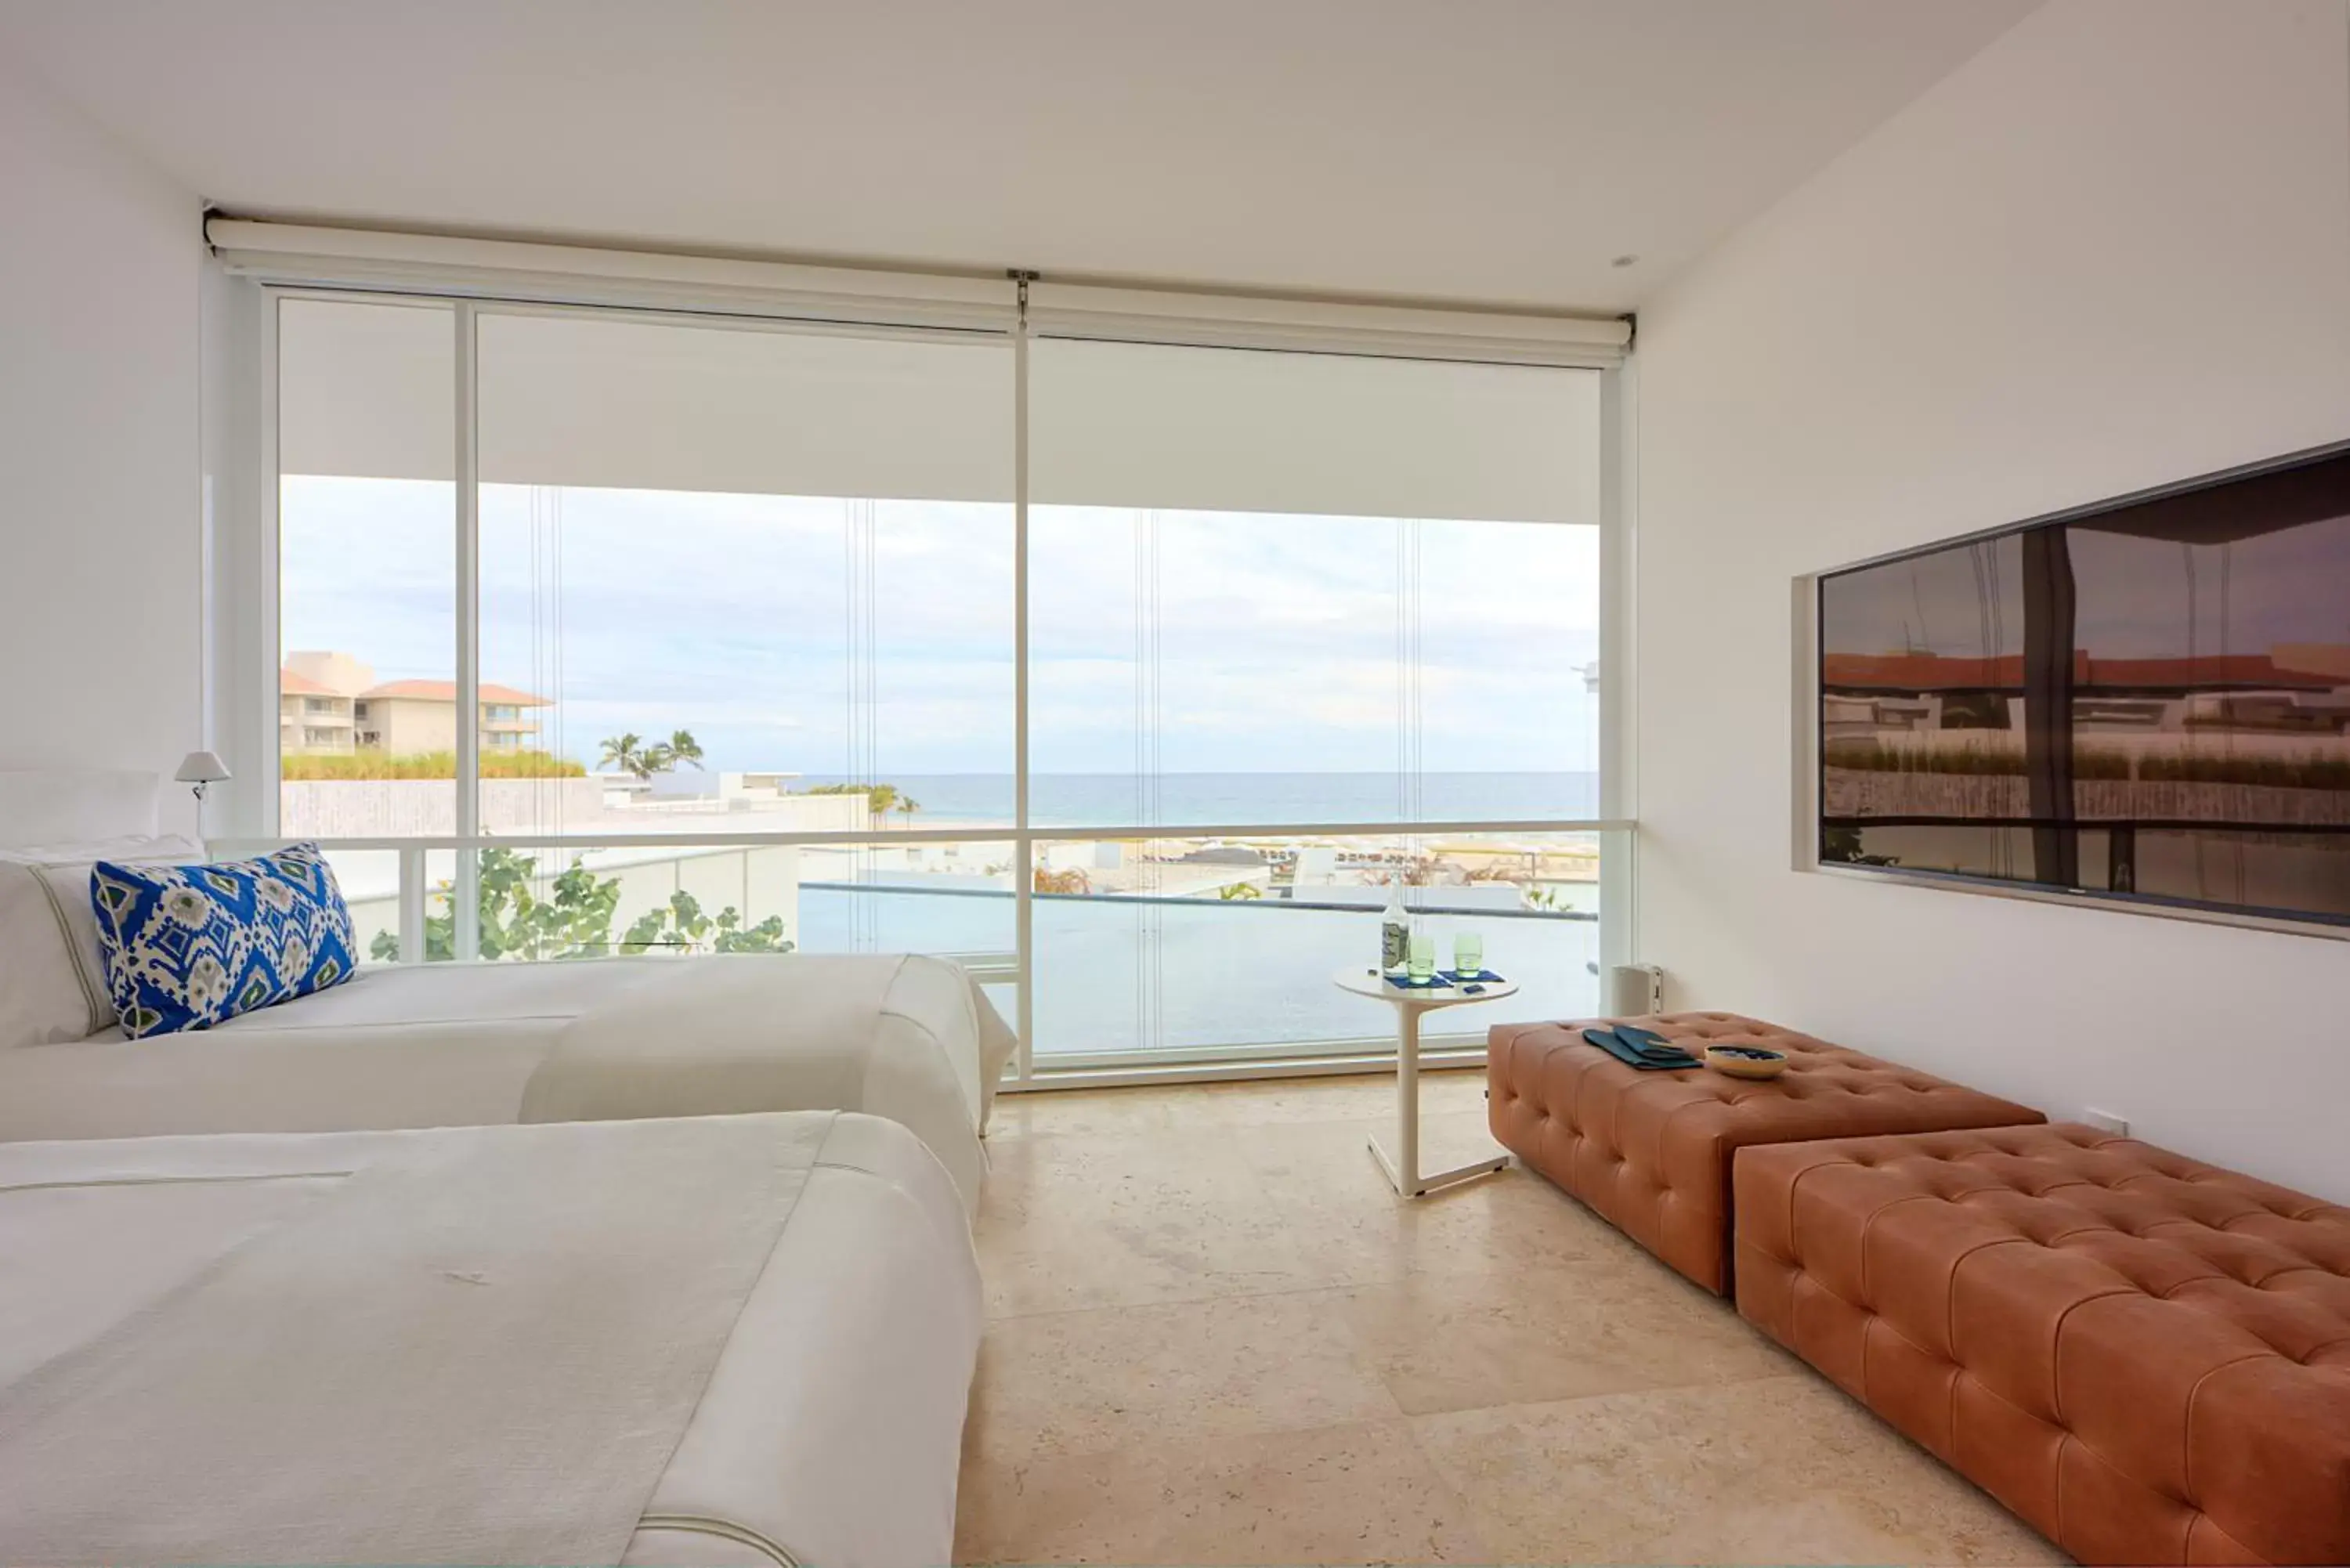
[683, 748]
[627, 753]
[879, 802]
[907, 806]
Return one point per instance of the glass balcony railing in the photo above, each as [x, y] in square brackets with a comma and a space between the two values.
[1139, 952]
[1172, 948]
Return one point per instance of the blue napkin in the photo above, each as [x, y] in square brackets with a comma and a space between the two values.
[1670, 1058]
[1443, 978]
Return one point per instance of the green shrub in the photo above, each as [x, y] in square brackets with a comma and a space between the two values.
[573, 919]
[356, 765]
[680, 923]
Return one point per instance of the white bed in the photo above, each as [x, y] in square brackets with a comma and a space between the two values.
[338, 1347]
[910, 1038]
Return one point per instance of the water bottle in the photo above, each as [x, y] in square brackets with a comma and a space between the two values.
[1395, 931]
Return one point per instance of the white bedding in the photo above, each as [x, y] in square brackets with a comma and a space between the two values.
[451, 1044]
[817, 1421]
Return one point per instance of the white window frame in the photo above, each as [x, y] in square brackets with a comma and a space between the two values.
[248, 588]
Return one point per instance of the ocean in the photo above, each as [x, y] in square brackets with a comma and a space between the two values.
[1119, 975]
[1105, 800]
[1115, 976]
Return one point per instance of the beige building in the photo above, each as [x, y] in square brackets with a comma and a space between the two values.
[330, 703]
[404, 717]
[311, 715]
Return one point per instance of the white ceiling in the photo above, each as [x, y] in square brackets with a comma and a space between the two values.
[1500, 150]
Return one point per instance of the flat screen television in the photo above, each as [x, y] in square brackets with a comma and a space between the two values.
[2147, 700]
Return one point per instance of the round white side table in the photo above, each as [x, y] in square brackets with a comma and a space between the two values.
[1403, 1165]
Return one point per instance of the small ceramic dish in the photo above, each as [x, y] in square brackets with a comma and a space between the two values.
[1745, 1061]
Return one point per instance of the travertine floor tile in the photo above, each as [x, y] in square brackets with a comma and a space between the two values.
[1258, 1307]
[1081, 1382]
[1350, 1226]
[1271, 1101]
[1362, 1494]
[1443, 1342]
[1780, 1470]
[1125, 1219]
[1087, 1111]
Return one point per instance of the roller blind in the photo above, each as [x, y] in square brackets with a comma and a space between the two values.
[716, 408]
[1136, 424]
[298, 254]
[861, 407]
[1328, 327]
[305, 255]
[631, 402]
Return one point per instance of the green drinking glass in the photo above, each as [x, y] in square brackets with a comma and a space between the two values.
[1468, 955]
[1423, 956]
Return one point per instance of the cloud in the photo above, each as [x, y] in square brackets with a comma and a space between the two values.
[1275, 637]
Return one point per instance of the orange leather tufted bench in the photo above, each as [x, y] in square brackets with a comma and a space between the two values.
[2146, 1358]
[1651, 1151]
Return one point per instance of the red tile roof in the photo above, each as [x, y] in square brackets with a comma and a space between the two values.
[1921, 672]
[2314, 658]
[292, 685]
[446, 692]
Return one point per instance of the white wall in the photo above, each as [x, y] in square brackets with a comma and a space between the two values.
[101, 646]
[240, 720]
[2111, 250]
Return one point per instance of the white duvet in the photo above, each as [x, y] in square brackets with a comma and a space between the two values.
[735, 1340]
[910, 1038]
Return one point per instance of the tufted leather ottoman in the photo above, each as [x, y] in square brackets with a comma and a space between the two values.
[2146, 1358]
[1650, 1151]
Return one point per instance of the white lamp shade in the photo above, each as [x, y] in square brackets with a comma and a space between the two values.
[201, 768]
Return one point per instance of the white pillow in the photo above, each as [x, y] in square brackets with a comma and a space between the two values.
[52, 969]
[166, 847]
[42, 1001]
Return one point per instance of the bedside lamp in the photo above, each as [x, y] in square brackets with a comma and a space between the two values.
[202, 768]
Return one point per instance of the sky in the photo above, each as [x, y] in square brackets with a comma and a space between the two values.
[1270, 643]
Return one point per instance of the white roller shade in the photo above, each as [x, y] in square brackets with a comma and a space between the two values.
[1247, 321]
[618, 399]
[1127, 424]
[624, 403]
[630, 403]
[304, 254]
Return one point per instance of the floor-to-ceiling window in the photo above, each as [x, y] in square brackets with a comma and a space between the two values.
[631, 633]
[1311, 602]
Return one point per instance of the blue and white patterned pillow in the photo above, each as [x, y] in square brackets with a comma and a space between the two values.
[191, 946]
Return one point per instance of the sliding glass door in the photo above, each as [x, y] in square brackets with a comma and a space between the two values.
[713, 557]
[753, 576]
[649, 633]
[1289, 614]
